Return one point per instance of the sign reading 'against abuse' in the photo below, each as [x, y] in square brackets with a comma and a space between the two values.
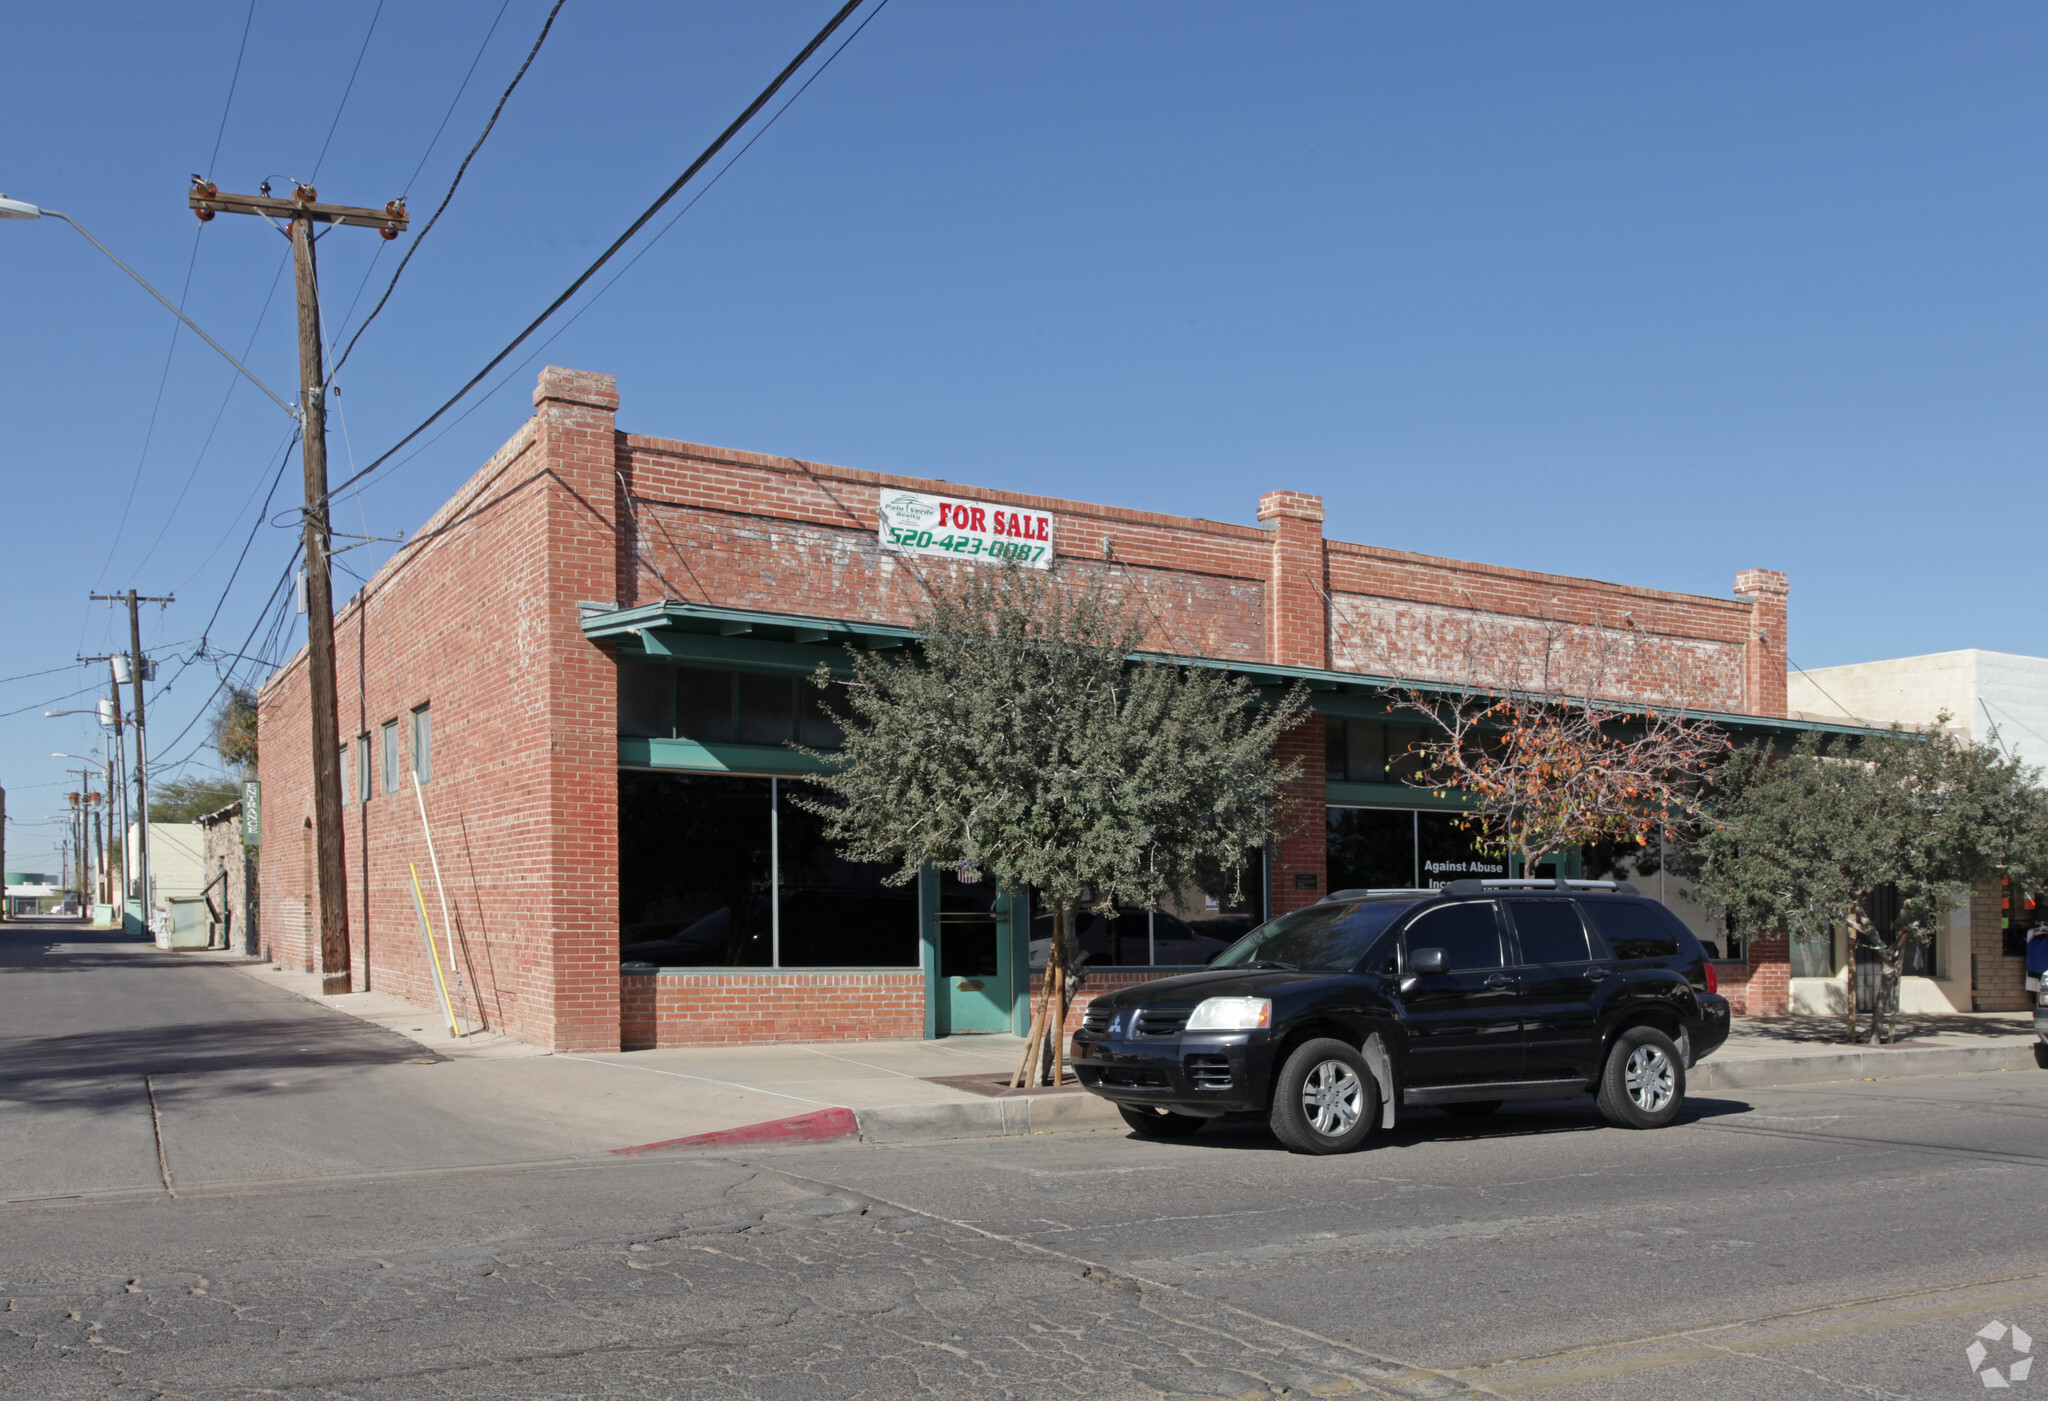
[913, 523]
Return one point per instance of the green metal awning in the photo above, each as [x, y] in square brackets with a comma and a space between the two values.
[763, 641]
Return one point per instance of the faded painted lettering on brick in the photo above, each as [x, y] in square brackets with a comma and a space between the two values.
[913, 523]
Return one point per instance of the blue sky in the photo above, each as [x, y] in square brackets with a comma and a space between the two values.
[1648, 293]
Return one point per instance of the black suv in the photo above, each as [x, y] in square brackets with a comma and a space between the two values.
[1327, 1018]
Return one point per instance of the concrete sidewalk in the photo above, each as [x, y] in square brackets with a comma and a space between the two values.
[894, 1093]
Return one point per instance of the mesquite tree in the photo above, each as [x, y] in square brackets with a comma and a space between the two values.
[1024, 742]
[1545, 758]
[1812, 841]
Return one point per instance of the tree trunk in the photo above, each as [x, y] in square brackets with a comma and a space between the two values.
[1854, 924]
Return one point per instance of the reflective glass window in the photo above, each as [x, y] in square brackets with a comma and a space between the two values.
[837, 913]
[1550, 931]
[1466, 932]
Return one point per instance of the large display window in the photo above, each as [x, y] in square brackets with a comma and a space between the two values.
[723, 871]
[1403, 849]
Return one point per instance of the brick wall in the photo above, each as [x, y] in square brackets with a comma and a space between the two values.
[1100, 985]
[477, 616]
[1999, 982]
[731, 1009]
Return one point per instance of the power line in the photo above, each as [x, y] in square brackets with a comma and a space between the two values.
[234, 381]
[26, 675]
[661, 233]
[260, 619]
[52, 701]
[461, 88]
[453, 184]
[346, 90]
[766, 95]
[233, 79]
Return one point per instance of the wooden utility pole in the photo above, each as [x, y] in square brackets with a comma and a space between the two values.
[303, 211]
[136, 668]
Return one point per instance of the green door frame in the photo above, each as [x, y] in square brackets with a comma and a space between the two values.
[1013, 952]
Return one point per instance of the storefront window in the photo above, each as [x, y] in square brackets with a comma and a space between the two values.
[1372, 849]
[1369, 751]
[713, 706]
[693, 870]
[836, 913]
[699, 855]
[1400, 849]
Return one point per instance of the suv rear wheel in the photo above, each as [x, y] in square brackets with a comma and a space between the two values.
[1159, 1123]
[1325, 1099]
[1643, 1084]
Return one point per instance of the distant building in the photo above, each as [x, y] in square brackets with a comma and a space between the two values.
[1979, 962]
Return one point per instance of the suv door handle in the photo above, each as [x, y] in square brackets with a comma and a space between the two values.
[1594, 975]
[1500, 980]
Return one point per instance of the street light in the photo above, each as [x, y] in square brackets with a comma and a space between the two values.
[22, 209]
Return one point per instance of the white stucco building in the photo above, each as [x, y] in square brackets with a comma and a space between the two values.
[1996, 698]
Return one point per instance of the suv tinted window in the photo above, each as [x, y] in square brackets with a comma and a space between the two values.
[1321, 938]
[1632, 930]
[1465, 932]
[1550, 931]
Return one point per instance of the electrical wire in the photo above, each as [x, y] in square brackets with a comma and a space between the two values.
[261, 618]
[561, 330]
[767, 94]
[461, 170]
[26, 675]
[73, 695]
[234, 382]
[233, 79]
[461, 88]
[350, 87]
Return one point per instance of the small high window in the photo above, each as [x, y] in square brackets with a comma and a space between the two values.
[422, 744]
[364, 772]
[389, 736]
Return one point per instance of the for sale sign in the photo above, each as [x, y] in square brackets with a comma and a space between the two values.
[916, 524]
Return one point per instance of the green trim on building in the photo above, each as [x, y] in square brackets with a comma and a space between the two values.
[768, 760]
[761, 641]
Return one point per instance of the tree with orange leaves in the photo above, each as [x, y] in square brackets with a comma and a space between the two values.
[1548, 758]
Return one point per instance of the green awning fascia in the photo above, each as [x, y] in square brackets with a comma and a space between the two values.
[786, 642]
[1391, 795]
[769, 760]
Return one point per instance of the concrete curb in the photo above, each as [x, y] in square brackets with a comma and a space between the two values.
[988, 1118]
[1763, 1071]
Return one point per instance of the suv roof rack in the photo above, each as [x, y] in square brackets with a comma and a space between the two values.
[1480, 887]
[1361, 894]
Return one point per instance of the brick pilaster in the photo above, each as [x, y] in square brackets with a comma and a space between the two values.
[578, 443]
[1770, 977]
[1300, 856]
[1763, 654]
[1297, 581]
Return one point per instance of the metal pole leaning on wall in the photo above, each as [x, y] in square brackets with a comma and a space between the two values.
[427, 933]
[447, 924]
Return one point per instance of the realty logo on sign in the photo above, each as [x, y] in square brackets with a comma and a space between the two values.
[2014, 1356]
[914, 523]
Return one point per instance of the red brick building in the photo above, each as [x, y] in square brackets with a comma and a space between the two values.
[591, 656]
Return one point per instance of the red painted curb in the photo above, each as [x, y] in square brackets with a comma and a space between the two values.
[820, 1126]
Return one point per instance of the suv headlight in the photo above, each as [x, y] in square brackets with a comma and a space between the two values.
[1232, 1014]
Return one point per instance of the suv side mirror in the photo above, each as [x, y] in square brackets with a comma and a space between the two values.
[1425, 961]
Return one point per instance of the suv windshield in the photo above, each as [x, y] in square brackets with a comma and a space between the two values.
[1319, 939]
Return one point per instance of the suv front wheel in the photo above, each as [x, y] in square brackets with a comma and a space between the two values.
[1324, 1099]
[1643, 1082]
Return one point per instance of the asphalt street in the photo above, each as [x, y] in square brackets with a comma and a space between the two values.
[1837, 1240]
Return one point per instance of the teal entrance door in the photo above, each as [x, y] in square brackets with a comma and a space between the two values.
[969, 957]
